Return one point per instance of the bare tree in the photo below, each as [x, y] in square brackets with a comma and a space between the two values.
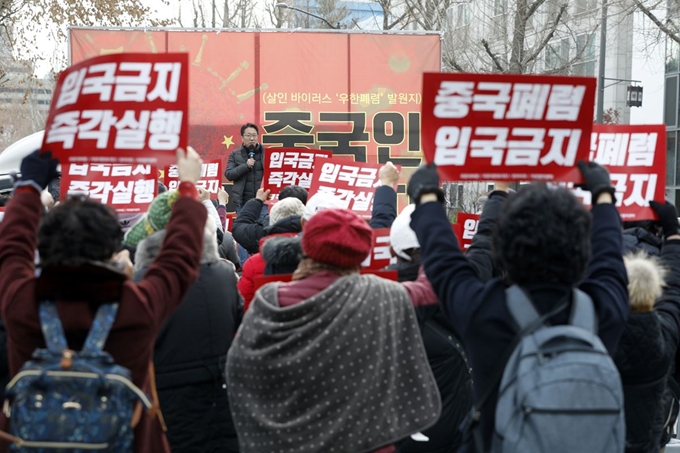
[277, 16]
[519, 36]
[668, 25]
[22, 21]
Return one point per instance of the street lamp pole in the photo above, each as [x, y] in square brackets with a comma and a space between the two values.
[603, 54]
[286, 6]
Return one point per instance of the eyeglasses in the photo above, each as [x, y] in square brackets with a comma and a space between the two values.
[250, 136]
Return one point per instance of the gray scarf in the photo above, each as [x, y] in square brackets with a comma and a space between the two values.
[343, 371]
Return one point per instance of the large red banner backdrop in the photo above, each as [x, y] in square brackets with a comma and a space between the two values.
[355, 94]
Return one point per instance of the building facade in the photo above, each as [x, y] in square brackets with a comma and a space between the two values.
[672, 120]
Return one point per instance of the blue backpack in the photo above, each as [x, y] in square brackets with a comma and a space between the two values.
[560, 391]
[63, 400]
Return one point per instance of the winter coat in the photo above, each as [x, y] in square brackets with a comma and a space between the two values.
[144, 306]
[384, 207]
[190, 353]
[478, 311]
[480, 254]
[447, 359]
[248, 229]
[255, 265]
[246, 180]
[637, 238]
[282, 255]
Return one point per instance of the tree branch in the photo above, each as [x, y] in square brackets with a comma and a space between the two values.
[548, 37]
[667, 31]
[493, 56]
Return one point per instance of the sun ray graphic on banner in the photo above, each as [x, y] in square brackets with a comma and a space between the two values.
[223, 88]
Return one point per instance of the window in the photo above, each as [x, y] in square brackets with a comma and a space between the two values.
[463, 15]
[556, 55]
[585, 52]
[499, 7]
[670, 158]
[671, 101]
[582, 6]
[672, 51]
[552, 10]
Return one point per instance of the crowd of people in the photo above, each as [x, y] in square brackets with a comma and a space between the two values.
[556, 331]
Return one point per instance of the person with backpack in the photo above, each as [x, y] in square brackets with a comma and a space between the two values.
[81, 311]
[565, 275]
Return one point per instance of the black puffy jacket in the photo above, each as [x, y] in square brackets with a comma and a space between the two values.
[246, 180]
[644, 358]
[637, 238]
[451, 371]
[189, 357]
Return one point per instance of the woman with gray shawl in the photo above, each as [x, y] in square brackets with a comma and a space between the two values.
[333, 361]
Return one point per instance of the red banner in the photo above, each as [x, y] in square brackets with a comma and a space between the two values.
[507, 127]
[129, 108]
[352, 183]
[128, 189]
[363, 103]
[287, 167]
[465, 228]
[211, 176]
[636, 159]
[380, 256]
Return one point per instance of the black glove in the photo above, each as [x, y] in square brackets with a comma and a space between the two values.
[425, 180]
[596, 179]
[668, 217]
[39, 168]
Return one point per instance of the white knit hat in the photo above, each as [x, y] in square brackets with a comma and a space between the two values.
[319, 202]
[402, 237]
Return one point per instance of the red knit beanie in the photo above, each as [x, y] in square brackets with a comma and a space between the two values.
[337, 237]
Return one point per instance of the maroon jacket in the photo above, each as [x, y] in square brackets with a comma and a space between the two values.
[143, 308]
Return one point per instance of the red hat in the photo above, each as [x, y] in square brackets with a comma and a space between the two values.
[337, 237]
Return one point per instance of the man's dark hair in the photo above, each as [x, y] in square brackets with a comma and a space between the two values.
[246, 126]
[78, 231]
[294, 192]
[543, 236]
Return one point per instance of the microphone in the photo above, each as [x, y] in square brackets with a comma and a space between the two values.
[251, 153]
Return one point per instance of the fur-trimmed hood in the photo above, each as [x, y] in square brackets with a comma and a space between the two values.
[149, 248]
[282, 251]
[646, 279]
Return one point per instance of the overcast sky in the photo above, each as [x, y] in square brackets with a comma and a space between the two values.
[648, 63]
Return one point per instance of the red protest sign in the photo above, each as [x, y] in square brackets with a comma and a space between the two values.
[636, 159]
[290, 166]
[380, 256]
[465, 228]
[506, 127]
[211, 176]
[127, 188]
[353, 183]
[121, 108]
[230, 221]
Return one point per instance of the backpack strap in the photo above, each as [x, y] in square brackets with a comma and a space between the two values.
[51, 327]
[521, 308]
[101, 326]
[583, 311]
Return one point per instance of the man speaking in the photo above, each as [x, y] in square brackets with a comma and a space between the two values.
[246, 167]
